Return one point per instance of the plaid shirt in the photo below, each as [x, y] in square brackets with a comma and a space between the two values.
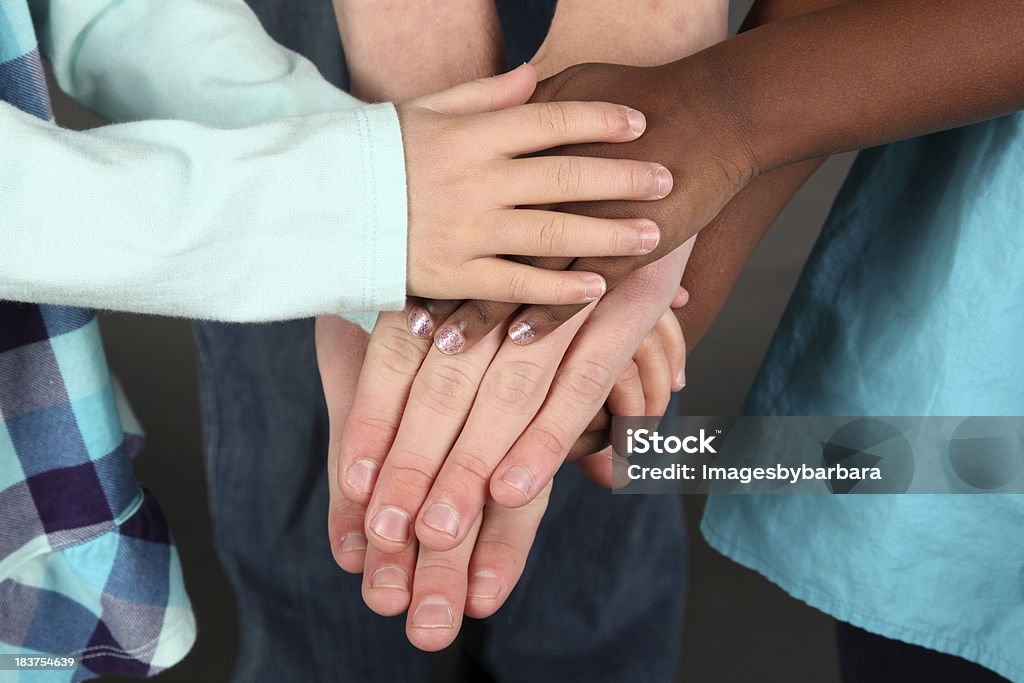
[87, 565]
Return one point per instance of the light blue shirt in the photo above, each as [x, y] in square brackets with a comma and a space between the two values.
[239, 185]
[912, 303]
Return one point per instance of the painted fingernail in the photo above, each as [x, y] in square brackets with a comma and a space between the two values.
[484, 584]
[595, 288]
[420, 322]
[637, 122]
[352, 542]
[650, 235]
[442, 517]
[433, 612]
[362, 475]
[680, 380]
[390, 577]
[449, 340]
[519, 478]
[522, 333]
[664, 178]
[391, 523]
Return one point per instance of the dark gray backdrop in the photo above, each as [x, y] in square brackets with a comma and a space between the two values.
[739, 627]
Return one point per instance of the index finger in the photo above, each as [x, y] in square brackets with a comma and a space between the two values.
[598, 354]
[393, 357]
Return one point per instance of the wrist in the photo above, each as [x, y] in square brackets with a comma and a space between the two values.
[708, 106]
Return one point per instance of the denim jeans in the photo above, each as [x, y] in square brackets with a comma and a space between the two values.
[601, 598]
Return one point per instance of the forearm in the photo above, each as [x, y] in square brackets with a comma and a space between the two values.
[828, 103]
[865, 73]
[649, 34]
[724, 248]
[726, 245]
[397, 49]
[207, 61]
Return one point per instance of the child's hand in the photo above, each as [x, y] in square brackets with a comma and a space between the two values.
[465, 180]
[689, 130]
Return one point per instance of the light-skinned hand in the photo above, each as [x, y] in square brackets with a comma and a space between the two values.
[467, 174]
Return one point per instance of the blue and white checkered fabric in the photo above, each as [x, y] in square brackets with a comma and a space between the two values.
[87, 565]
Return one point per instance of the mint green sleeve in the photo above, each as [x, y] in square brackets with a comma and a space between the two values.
[261, 192]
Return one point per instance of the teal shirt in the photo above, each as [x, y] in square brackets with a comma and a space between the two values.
[239, 185]
[912, 303]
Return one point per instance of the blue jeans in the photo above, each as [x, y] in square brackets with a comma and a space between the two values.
[602, 595]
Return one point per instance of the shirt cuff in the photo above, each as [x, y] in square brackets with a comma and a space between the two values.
[387, 216]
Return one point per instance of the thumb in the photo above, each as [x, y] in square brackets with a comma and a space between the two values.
[485, 94]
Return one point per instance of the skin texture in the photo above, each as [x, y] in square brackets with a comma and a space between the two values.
[793, 90]
[445, 585]
[465, 182]
[503, 540]
[731, 171]
[417, 48]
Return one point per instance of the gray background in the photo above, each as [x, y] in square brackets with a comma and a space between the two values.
[739, 627]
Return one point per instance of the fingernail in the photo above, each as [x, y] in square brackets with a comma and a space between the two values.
[420, 322]
[484, 584]
[433, 612]
[362, 475]
[391, 523]
[637, 121]
[595, 288]
[519, 478]
[664, 182]
[680, 380]
[449, 340]
[522, 333]
[390, 577]
[650, 235]
[443, 518]
[352, 542]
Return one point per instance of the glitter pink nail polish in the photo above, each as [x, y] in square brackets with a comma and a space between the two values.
[420, 322]
[449, 340]
[522, 333]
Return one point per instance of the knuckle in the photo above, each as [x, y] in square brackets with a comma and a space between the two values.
[553, 234]
[631, 375]
[480, 311]
[513, 387]
[555, 118]
[614, 120]
[472, 466]
[550, 443]
[400, 354]
[495, 546]
[588, 381]
[516, 285]
[416, 475]
[649, 344]
[567, 175]
[552, 315]
[365, 421]
[441, 566]
[446, 385]
[622, 239]
[642, 181]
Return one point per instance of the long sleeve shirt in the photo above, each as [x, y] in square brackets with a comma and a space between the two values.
[238, 184]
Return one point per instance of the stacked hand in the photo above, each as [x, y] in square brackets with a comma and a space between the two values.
[709, 169]
[465, 182]
[440, 473]
[441, 465]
